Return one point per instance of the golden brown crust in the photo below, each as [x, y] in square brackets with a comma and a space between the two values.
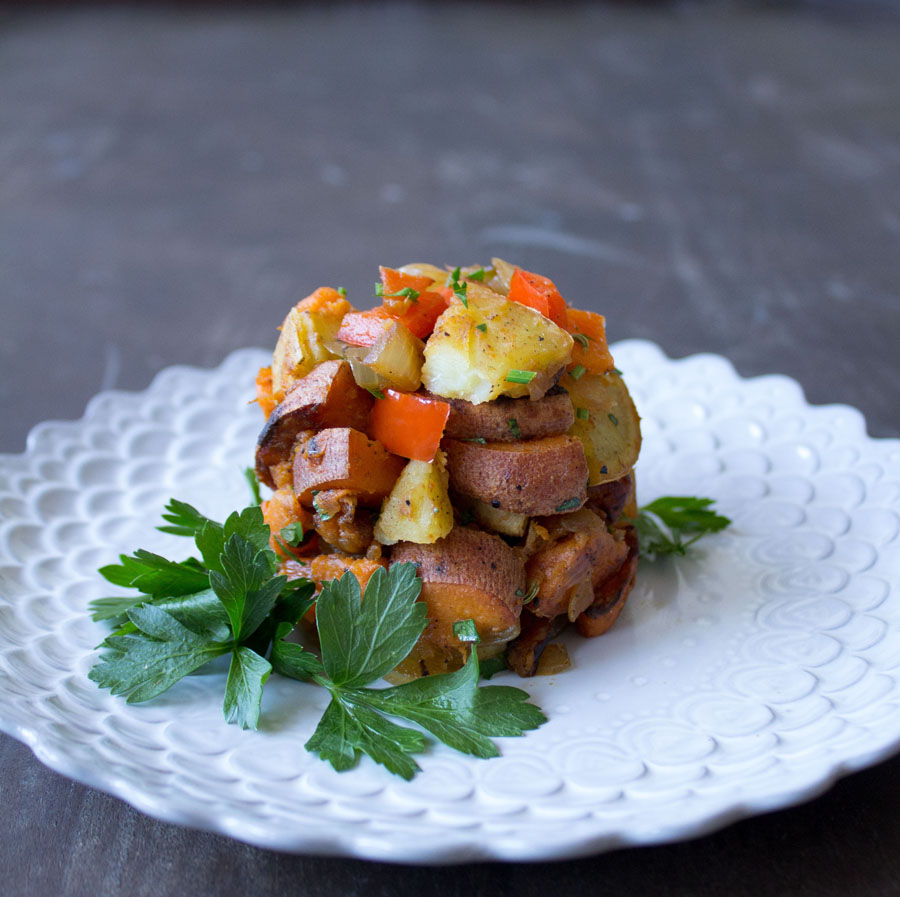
[612, 498]
[344, 458]
[326, 397]
[534, 476]
[469, 574]
[502, 419]
[341, 523]
[611, 593]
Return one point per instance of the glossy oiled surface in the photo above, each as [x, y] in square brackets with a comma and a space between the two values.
[715, 180]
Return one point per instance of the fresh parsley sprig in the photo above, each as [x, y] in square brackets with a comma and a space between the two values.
[234, 602]
[668, 526]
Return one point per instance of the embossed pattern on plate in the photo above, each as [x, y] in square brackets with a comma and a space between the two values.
[743, 678]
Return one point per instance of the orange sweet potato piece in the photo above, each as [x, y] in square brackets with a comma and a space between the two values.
[468, 574]
[281, 510]
[345, 458]
[611, 593]
[534, 476]
[326, 397]
[591, 554]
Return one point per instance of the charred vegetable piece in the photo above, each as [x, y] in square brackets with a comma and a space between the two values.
[525, 651]
[611, 430]
[418, 508]
[614, 498]
[610, 594]
[340, 523]
[468, 575]
[549, 416]
[409, 425]
[540, 293]
[326, 397]
[344, 458]
[572, 565]
[532, 477]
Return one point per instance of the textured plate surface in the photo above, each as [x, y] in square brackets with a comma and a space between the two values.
[744, 678]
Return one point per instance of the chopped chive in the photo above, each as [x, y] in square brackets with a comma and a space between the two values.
[582, 413]
[342, 291]
[406, 293]
[515, 376]
[577, 371]
[481, 327]
[613, 418]
[581, 339]
[465, 631]
[568, 505]
[376, 392]
[479, 439]
[617, 371]
[514, 427]
[379, 289]
[477, 274]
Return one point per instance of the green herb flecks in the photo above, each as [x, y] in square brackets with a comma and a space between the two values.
[570, 504]
[376, 392]
[577, 372]
[582, 413]
[482, 327]
[516, 376]
[253, 483]
[514, 428]
[460, 288]
[581, 339]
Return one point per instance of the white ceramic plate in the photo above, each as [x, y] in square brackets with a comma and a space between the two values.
[744, 678]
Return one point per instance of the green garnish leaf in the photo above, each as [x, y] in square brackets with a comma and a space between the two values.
[155, 575]
[342, 291]
[492, 666]
[293, 660]
[292, 534]
[668, 526]
[514, 428]
[459, 288]
[184, 519]
[577, 372]
[253, 483]
[479, 439]
[478, 274]
[515, 376]
[613, 418]
[482, 327]
[617, 371]
[405, 293]
[582, 413]
[243, 689]
[466, 631]
[376, 392]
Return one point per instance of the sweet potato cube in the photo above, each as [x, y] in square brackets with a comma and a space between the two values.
[326, 397]
[344, 458]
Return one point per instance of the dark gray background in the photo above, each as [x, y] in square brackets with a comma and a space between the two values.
[716, 177]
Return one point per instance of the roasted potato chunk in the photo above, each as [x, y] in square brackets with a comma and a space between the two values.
[531, 477]
[464, 361]
[468, 574]
[326, 397]
[611, 429]
[418, 508]
[344, 458]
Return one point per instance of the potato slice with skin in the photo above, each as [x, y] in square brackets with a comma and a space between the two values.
[502, 419]
[534, 476]
[418, 508]
[465, 362]
[326, 397]
[611, 432]
[344, 458]
[495, 519]
[469, 574]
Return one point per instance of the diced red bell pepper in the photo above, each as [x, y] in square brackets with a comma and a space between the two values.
[595, 356]
[539, 293]
[362, 328]
[409, 425]
[417, 315]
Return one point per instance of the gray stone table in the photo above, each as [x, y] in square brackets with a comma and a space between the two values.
[719, 178]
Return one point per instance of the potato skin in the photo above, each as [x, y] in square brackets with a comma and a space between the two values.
[326, 397]
[534, 476]
[469, 574]
[549, 416]
[344, 458]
